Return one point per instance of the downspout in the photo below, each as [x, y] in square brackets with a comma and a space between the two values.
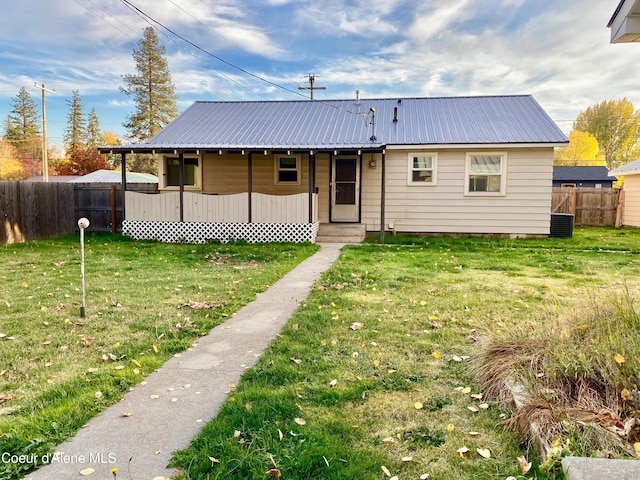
[123, 161]
[181, 182]
[312, 182]
[249, 184]
[382, 195]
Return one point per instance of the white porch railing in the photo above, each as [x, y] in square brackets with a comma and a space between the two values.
[198, 207]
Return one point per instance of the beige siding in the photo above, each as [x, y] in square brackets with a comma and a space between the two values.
[444, 208]
[631, 208]
[224, 174]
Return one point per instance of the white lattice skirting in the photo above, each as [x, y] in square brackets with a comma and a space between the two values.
[196, 232]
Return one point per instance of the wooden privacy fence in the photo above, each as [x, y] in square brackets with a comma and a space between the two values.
[40, 210]
[590, 206]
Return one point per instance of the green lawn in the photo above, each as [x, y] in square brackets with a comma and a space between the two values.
[58, 369]
[371, 377]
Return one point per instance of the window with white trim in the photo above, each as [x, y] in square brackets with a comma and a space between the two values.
[191, 172]
[486, 173]
[422, 169]
[287, 169]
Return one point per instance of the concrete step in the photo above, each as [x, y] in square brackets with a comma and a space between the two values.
[341, 233]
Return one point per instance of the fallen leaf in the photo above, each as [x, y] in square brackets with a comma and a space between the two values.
[333, 383]
[213, 460]
[484, 406]
[474, 434]
[86, 472]
[524, 465]
[356, 326]
[477, 396]
[625, 394]
[456, 358]
[473, 409]
[280, 436]
[424, 476]
[435, 355]
[407, 459]
[127, 414]
[484, 452]
[466, 390]
[618, 358]
[300, 421]
[248, 406]
[636, 449]
[385, 470]
[417, 406]
[274, 472]
[388, 440]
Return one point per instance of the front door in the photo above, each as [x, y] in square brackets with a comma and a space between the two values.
[345, 189]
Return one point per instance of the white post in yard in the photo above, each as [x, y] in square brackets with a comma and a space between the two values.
[83, 223]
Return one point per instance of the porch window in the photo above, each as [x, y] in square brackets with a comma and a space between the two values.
[172, 172]
[422, 169]
[287, 169]
[486, 174]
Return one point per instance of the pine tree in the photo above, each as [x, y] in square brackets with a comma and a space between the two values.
[75, 135]
[22, 132]
[94, 135]
[151, 89]
[21, 128]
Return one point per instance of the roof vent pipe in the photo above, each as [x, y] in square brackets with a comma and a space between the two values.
[395, 114]
[358, 97]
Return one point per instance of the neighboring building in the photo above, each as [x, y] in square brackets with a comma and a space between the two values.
[273, 170]
[99, 176]
[114, 176]
[582, 176]
[631, 187]
[625, 22]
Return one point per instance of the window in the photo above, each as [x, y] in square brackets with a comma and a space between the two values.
[486, 174]
[287, 170]
[172, 172]
[422, 169]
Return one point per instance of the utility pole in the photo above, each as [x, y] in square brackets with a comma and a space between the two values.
[312, 87]
[45, 160]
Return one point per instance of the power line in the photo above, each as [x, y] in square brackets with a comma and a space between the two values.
[152, 21]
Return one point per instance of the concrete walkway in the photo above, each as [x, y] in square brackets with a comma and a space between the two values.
[171, 406]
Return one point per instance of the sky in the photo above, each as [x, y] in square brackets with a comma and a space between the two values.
[556, 50]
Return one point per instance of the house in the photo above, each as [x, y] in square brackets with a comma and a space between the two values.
[282, 170]
[625, 22]
[631, 188]
[582, 177]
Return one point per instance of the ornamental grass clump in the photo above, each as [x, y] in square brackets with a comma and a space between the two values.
[573, 381]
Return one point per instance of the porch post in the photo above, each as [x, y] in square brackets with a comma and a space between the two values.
[249, 183]
[181, 182]
[123, 161]
[312, 182]
[382, 196]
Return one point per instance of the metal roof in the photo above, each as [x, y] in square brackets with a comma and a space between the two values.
[632, 168]
[581, 173]
[351, 124]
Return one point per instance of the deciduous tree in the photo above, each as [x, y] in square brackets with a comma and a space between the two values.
[583, 149]
[616, 126]
[83, 161]
[10, 166]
